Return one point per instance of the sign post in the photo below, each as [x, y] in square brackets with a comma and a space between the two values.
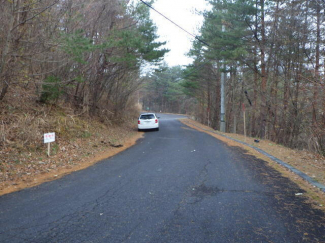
[49, 138]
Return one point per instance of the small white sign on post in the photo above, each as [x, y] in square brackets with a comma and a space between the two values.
[49, 138]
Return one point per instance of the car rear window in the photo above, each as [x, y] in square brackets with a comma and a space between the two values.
[146, 117]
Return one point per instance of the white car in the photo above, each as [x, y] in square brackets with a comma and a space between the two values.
[148, 121]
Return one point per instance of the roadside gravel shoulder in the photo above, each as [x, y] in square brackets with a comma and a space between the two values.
[310, 165]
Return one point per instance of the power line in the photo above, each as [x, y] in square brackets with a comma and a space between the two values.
[194, 36]
[205, 43]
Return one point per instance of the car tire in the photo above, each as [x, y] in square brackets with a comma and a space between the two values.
[157, 129]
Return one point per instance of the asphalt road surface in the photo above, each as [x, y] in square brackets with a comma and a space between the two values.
[175, 185]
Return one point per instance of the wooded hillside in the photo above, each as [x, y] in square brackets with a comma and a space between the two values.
[85, 55]
[271, 54]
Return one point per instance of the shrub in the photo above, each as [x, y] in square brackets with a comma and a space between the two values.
[51, 89]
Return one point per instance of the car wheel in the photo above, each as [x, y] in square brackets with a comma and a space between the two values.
[157, 129]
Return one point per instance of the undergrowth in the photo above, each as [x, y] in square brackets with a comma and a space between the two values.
[79, 137]
[23, 122]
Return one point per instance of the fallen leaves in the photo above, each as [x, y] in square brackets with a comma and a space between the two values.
[24, 169]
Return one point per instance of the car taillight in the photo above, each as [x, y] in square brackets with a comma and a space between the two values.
[138, 121]
[156, 121]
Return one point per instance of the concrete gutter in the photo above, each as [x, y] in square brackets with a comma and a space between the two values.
[280, 162]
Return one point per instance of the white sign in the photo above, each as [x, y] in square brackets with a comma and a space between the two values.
[49, 137]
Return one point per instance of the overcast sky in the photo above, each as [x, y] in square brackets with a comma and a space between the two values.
[182, 12]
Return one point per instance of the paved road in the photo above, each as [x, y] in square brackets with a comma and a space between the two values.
[175, 185]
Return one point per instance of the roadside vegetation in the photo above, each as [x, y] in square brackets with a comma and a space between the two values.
[272, 56]
[71, 67]
[80, 142]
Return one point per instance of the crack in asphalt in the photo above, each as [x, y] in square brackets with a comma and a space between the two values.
[60, 226]
[280, 162]
[204, 191]
[132, 231]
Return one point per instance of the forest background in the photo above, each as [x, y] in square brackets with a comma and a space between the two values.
[272, 55]
[71, 67]
[85, 55]
[76, 68]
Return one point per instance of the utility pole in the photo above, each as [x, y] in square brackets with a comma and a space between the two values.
[222, 103]
[222, 94]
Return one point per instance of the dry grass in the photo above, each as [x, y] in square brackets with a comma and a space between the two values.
[80, 141]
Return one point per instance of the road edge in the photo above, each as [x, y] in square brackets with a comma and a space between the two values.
[62, 172]
[278, 161]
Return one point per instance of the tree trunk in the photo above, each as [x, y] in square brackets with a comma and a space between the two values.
[317, 67]
[4, 57]
[263, 106]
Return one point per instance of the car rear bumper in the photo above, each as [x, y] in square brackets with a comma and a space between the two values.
[151, 126]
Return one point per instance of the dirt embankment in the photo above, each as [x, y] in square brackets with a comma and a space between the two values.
[80, 141]
[21, 169]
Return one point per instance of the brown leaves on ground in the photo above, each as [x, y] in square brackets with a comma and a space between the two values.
[80, 142]
[25, 169]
